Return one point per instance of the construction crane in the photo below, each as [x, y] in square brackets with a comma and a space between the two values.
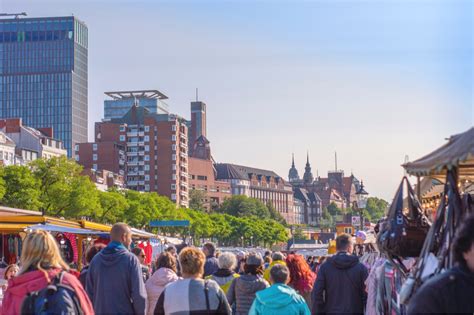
[16, 15]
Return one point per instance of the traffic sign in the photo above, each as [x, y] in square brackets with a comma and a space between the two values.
[163, 223]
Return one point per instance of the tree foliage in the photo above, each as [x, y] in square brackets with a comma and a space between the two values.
[376, 208]
[21, 188]
[243, 206]
[197, 200]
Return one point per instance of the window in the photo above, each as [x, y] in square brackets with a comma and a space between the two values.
[173, 157]
[147, 187]
[94, 166]
[77, 157]
[94, 157]
[122, 137]
[173, 147]
[122, 128]
[147, 177]
[201, 177]
[147, 158]
[173, 177]
[173, 167]
[173, 137]
[147, 167]
[76, 147]
[147, 148]
[173, 196]
[147, 128]
[147, 138]
[173, 186]
[173, 128]
[94, 146]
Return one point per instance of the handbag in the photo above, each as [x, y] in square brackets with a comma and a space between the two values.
[403, 235]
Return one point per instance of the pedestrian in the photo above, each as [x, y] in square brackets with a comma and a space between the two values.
[277, 259]
[192, 294]
[451, 292]
[302, 278]
[165, 273]
[317, 266]
[267, 261]
[340, 282]
[41, 263]
[211, 265]
[279, 299]
[243, 289]
[140, 253]
[91, 252]
[10, 273]
[225, 274]
[114, 280]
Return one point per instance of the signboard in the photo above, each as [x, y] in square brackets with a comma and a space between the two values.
[355, 220]
[158, 223]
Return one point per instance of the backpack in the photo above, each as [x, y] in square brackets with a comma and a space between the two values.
[56, 298]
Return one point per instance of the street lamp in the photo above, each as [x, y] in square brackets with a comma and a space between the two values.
[361, 196]
[251, 239]
[242, 238]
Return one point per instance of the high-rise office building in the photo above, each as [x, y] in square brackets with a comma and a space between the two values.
[43, 75]
[121, 102]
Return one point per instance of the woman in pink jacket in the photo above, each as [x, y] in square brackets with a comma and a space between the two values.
[41, 262]
[165, 273]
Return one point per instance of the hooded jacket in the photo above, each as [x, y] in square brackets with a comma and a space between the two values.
[20, 286]
[156, 284]
[266, 274]
[451, 292]
[279, 299]
[242, 292]
[115, 283]
[340, 286]
[224, 278]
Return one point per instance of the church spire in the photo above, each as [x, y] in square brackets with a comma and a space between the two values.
[293, 173]
[308, 176]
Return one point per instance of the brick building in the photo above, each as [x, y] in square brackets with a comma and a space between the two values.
[149, 149]
[105, 180]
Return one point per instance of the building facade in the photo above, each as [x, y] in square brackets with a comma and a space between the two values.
[7, 150]
[105, 180]
[150, 150]
[312, 205]
[121, 102]
[43, 75]
[263, 185]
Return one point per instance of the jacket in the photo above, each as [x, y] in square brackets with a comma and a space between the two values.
[279, 299]
[83, 276]
[340, 286]
[20, 286]
[187, 296]
[266, 274]
[156, 284]
[224, 278]
[210, 266]
[451, 292]
[115, 282]
[242, 292]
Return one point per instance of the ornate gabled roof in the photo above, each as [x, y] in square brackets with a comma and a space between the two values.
[233, 171]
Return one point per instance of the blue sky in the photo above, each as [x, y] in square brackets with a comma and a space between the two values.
[374, 80]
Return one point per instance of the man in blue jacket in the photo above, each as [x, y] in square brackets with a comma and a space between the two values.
[279, 299]
[340, 284]
[114, 281]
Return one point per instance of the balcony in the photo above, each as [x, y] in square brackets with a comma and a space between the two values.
[132, 134]
[141, 153]
[132, 153]
[141, 173]
[141, 134]
[132, 183]
[132, 173]
[132, 144]
[183, 155]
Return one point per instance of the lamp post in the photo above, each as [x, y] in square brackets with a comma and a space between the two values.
[361, 196]
[251, 241]
[242, 238]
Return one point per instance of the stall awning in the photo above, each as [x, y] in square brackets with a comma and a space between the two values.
[458, 152]
[60, 229]
[142, 233]
[12, 227]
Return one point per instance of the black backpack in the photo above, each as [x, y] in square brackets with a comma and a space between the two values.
[57, 298]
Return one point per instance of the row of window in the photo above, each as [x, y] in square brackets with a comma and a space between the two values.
[35, 36]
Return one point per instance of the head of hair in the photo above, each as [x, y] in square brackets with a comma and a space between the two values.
[166, 260]
[137, 251]
[464, 239]
[93, 250]
[210, 247]
[10, 267]
[343, 242]
[253, 270]
[192, 261]
[41, 252]
[227, 260]
[118, 230]
[301, 276]
[278, 256]
[170, 248]
[322, 259]
[267, 259]
[268, 253]
[279, 274]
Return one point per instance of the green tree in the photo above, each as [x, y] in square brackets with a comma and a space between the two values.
[274, 214]
[3, 187]
[298, 233]
[21, 188]
[334, 209]
[113, 206]
[376, 208]
[82, 199]
[197, 200]
[243, 206]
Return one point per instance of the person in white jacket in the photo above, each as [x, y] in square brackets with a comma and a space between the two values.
[165, 273]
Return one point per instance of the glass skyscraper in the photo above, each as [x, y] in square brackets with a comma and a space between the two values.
[43, 75]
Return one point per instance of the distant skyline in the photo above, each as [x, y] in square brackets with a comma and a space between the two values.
[372, 80]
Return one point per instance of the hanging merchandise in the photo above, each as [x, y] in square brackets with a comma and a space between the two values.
[403, 234]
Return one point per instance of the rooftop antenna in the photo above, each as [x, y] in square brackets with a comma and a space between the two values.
[197, 94]
[16, 15]
[335, 159]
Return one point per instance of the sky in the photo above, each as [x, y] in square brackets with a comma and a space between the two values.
[374, 80]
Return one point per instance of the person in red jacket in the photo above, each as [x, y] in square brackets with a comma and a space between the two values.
[41, 262]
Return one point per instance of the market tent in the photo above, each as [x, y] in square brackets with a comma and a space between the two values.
[60, 229]
[457, 152]
[141, 233]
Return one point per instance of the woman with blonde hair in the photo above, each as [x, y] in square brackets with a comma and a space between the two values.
[41, 263]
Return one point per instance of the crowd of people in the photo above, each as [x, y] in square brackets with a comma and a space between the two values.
[202, 281]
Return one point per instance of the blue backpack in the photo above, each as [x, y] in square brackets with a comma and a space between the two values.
[57, 298]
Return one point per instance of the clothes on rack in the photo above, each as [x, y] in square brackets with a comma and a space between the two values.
[11, 248]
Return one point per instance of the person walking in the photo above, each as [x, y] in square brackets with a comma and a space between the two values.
[114, 280]
[340, 282]
[192, 295]
[41, 263]
[277, 259]
[302, 278]
[140, 253]
[212, 263]
[243, 289]
[165, 273]
[91, 252]
[451, 292]
[225, 274]
[279, 299]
